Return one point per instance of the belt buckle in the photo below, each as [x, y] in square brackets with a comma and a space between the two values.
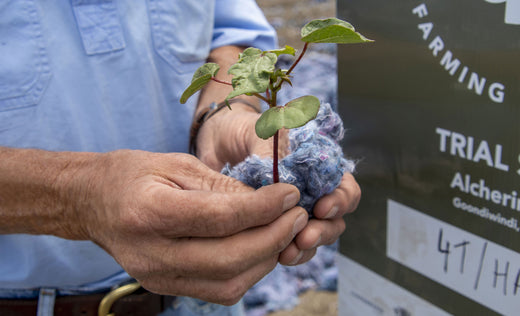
[113, 296]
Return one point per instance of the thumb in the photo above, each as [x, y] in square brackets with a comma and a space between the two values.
[219, 214]
[220, 205]
[213, 205]
[192, 174]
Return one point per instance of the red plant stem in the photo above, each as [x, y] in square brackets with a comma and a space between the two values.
[299, 58]
[222, 82]
[276, 176]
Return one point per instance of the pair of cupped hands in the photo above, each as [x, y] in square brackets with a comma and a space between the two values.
[181, 228]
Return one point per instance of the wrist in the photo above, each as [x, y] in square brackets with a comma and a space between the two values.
[205, 114]
[40, 192]
[77, 188]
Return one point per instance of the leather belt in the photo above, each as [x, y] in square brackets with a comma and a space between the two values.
[138, 303]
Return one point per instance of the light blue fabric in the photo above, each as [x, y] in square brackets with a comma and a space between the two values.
[187, 306]
[101, 75]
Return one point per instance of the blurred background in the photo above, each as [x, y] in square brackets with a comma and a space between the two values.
[289, 16]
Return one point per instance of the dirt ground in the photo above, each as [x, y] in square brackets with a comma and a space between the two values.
[288, 17]
[314, 303]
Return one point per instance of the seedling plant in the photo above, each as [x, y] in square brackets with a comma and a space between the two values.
[255, 74]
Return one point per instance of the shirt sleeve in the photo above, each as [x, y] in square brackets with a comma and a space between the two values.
[242, 23]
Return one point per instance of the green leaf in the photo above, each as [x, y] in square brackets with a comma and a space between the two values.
[331, 30]
[252, 72]
[200, 78]
[288, 50]
[282, 75]
[294, 114]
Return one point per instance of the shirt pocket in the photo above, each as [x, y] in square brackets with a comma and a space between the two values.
[99, 26]
[24, 65]
[182, 31]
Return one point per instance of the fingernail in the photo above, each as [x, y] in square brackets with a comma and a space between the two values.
[333, 211]
[299, 224]
[290, 201]
[296, 259]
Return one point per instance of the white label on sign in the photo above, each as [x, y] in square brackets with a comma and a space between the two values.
[477, 268]
[364, 292]
[512, 10]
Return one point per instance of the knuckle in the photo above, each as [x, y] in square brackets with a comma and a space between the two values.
[308, 255]
[333, 234]
[184, 158]
[282, 243]
[352, 193]
[356, 193]
[279, 243]
[232, 292]
[216, 182]
[230, 184]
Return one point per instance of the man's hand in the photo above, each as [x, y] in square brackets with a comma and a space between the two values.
[328, 223]
[176, 226]
[180, 228]
[230, 137]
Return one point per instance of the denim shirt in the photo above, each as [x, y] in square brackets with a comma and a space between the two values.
[101, 75]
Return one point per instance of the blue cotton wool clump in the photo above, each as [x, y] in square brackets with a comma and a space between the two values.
[315, 165]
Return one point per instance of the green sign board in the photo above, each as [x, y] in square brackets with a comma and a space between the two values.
[432, 112]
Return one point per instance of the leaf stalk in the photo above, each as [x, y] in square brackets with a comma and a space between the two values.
[221, 81]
